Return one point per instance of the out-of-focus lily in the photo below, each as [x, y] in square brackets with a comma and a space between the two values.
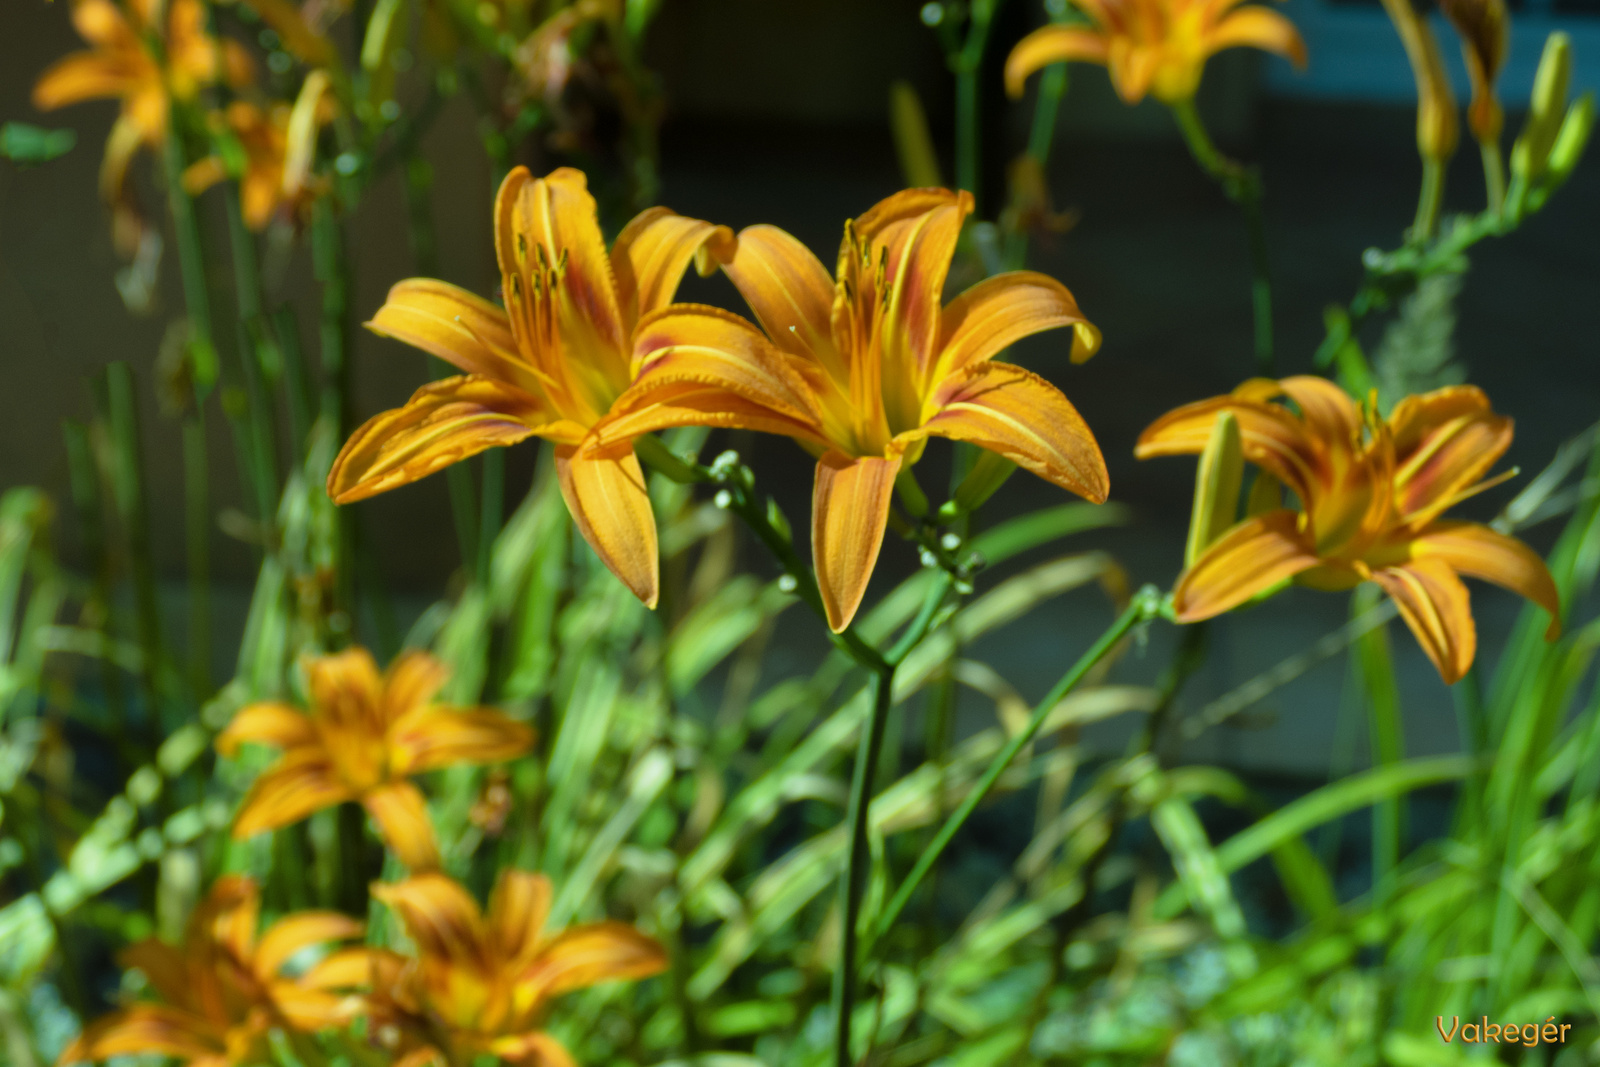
[225, 988]
[279, 144]
[481, 983]
[120, 66]
[365, 736]
[883, 366]
[1154, 46]
[1371, 498]
[1437, 126]
[562, 361]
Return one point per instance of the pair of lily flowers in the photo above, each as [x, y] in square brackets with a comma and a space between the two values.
[861, 368]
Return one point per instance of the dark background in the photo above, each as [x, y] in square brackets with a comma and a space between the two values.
[777, 114]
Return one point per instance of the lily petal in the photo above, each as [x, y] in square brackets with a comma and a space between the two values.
[147, 1029]
[587, 955]
[432, 737]
[1258, 27]
[537, 1049]
[295, 932]
[789, 290]
[1447, 461]
[438, 915]
[412, 681]
[291, 789]
[310, 1010]
[1480, 552]
[401, 813]
[460, 328]
[605, 491]
[1000, 311]
[1252, 557]
[849, 512]
[1419, 415]
[653, 251]
[1052, 44]
[82, 76]
[347, 968]
[444, 422]
[267, 723]
[1436, 605]
[1330, 415]
[518, 908]
[1017, 414]
[345, 688]
[704, 366]
[1270, 436]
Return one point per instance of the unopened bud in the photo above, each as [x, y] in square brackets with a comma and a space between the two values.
[1484, 29]
[787, 583]
[1573, 138]
[1266, 494]
[723, 499]
[1531, 153]
[777, 520]
[1437, 130]
[1216, 486]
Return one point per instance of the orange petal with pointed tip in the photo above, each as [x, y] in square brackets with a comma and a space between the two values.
[1250, 558]
[295, 932]
[788, 289]
[1270, 436]
[458, 327]
[1017, 414]
[605, 491]
[518, 908]
[557, 213]
[1448, 460]
[443, 423]
[345, 687]
[298, 37]
[1331, 417]
[102, 23]
[653, 251]
[849, 513]
[916, 229]
[1052, 44]
[412, 680]
[147, 1029]
[703, 366]
[1000, 311]
[598, 952]
[1258, 27]
[301, 783]
[81, 76]
[433, 737]
[401, 813]
[537, 1049]
[1480, 552]
[438, 915]
[346, 968]
[1420, 414]
[1435, 604]
[310, 1010]
[266, 723]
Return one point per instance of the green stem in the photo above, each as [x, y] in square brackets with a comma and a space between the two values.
[853, 882]
[247, 291]
[332, 270]
[1242, 185]
[968, 66]
[1042, 135]
[1428, 201]
[494, 488]
[191, 255]
[1376, 667]
[1146, 604]
[86, 499]
[296, 380]
[1494, 177]
[197, 516]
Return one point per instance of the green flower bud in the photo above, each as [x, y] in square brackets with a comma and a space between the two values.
[1216, 486]
[1532, 151]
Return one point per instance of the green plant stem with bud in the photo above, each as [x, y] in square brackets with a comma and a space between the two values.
[1242, 185]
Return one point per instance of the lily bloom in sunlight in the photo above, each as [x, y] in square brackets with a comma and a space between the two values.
[879, 365]
[1372, 493]
[555, 363]
[365, 736]
[481, 983]
[225, 988]
[120, 66]
[1154, 46]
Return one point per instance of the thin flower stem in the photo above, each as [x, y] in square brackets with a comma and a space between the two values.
[494, 488]
[252, 326]
[853, 882]
[968, 66]
[1242, 185]
[1494, 177]
[332, 269]
[197, 522]
[1428, 201]
[1146, 605]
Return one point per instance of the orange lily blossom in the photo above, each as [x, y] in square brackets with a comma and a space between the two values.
[1154, 46]
[225, 988]
[365, 736]
[120, 66]
[1371, 494]
[561, 362]
[878, 365]
[482, 982]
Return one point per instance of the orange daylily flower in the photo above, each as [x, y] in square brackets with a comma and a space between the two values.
[365, 737]
[561, 362]
[120, 66]
[878, 366]
[482, 982]
[1154, 46]
[1372, 493]
[225, 988]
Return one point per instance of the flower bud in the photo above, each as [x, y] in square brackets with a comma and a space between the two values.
[1437, 126]
[1216, 486]
[1572, 139]
[1484, 29]
[1532, 151]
